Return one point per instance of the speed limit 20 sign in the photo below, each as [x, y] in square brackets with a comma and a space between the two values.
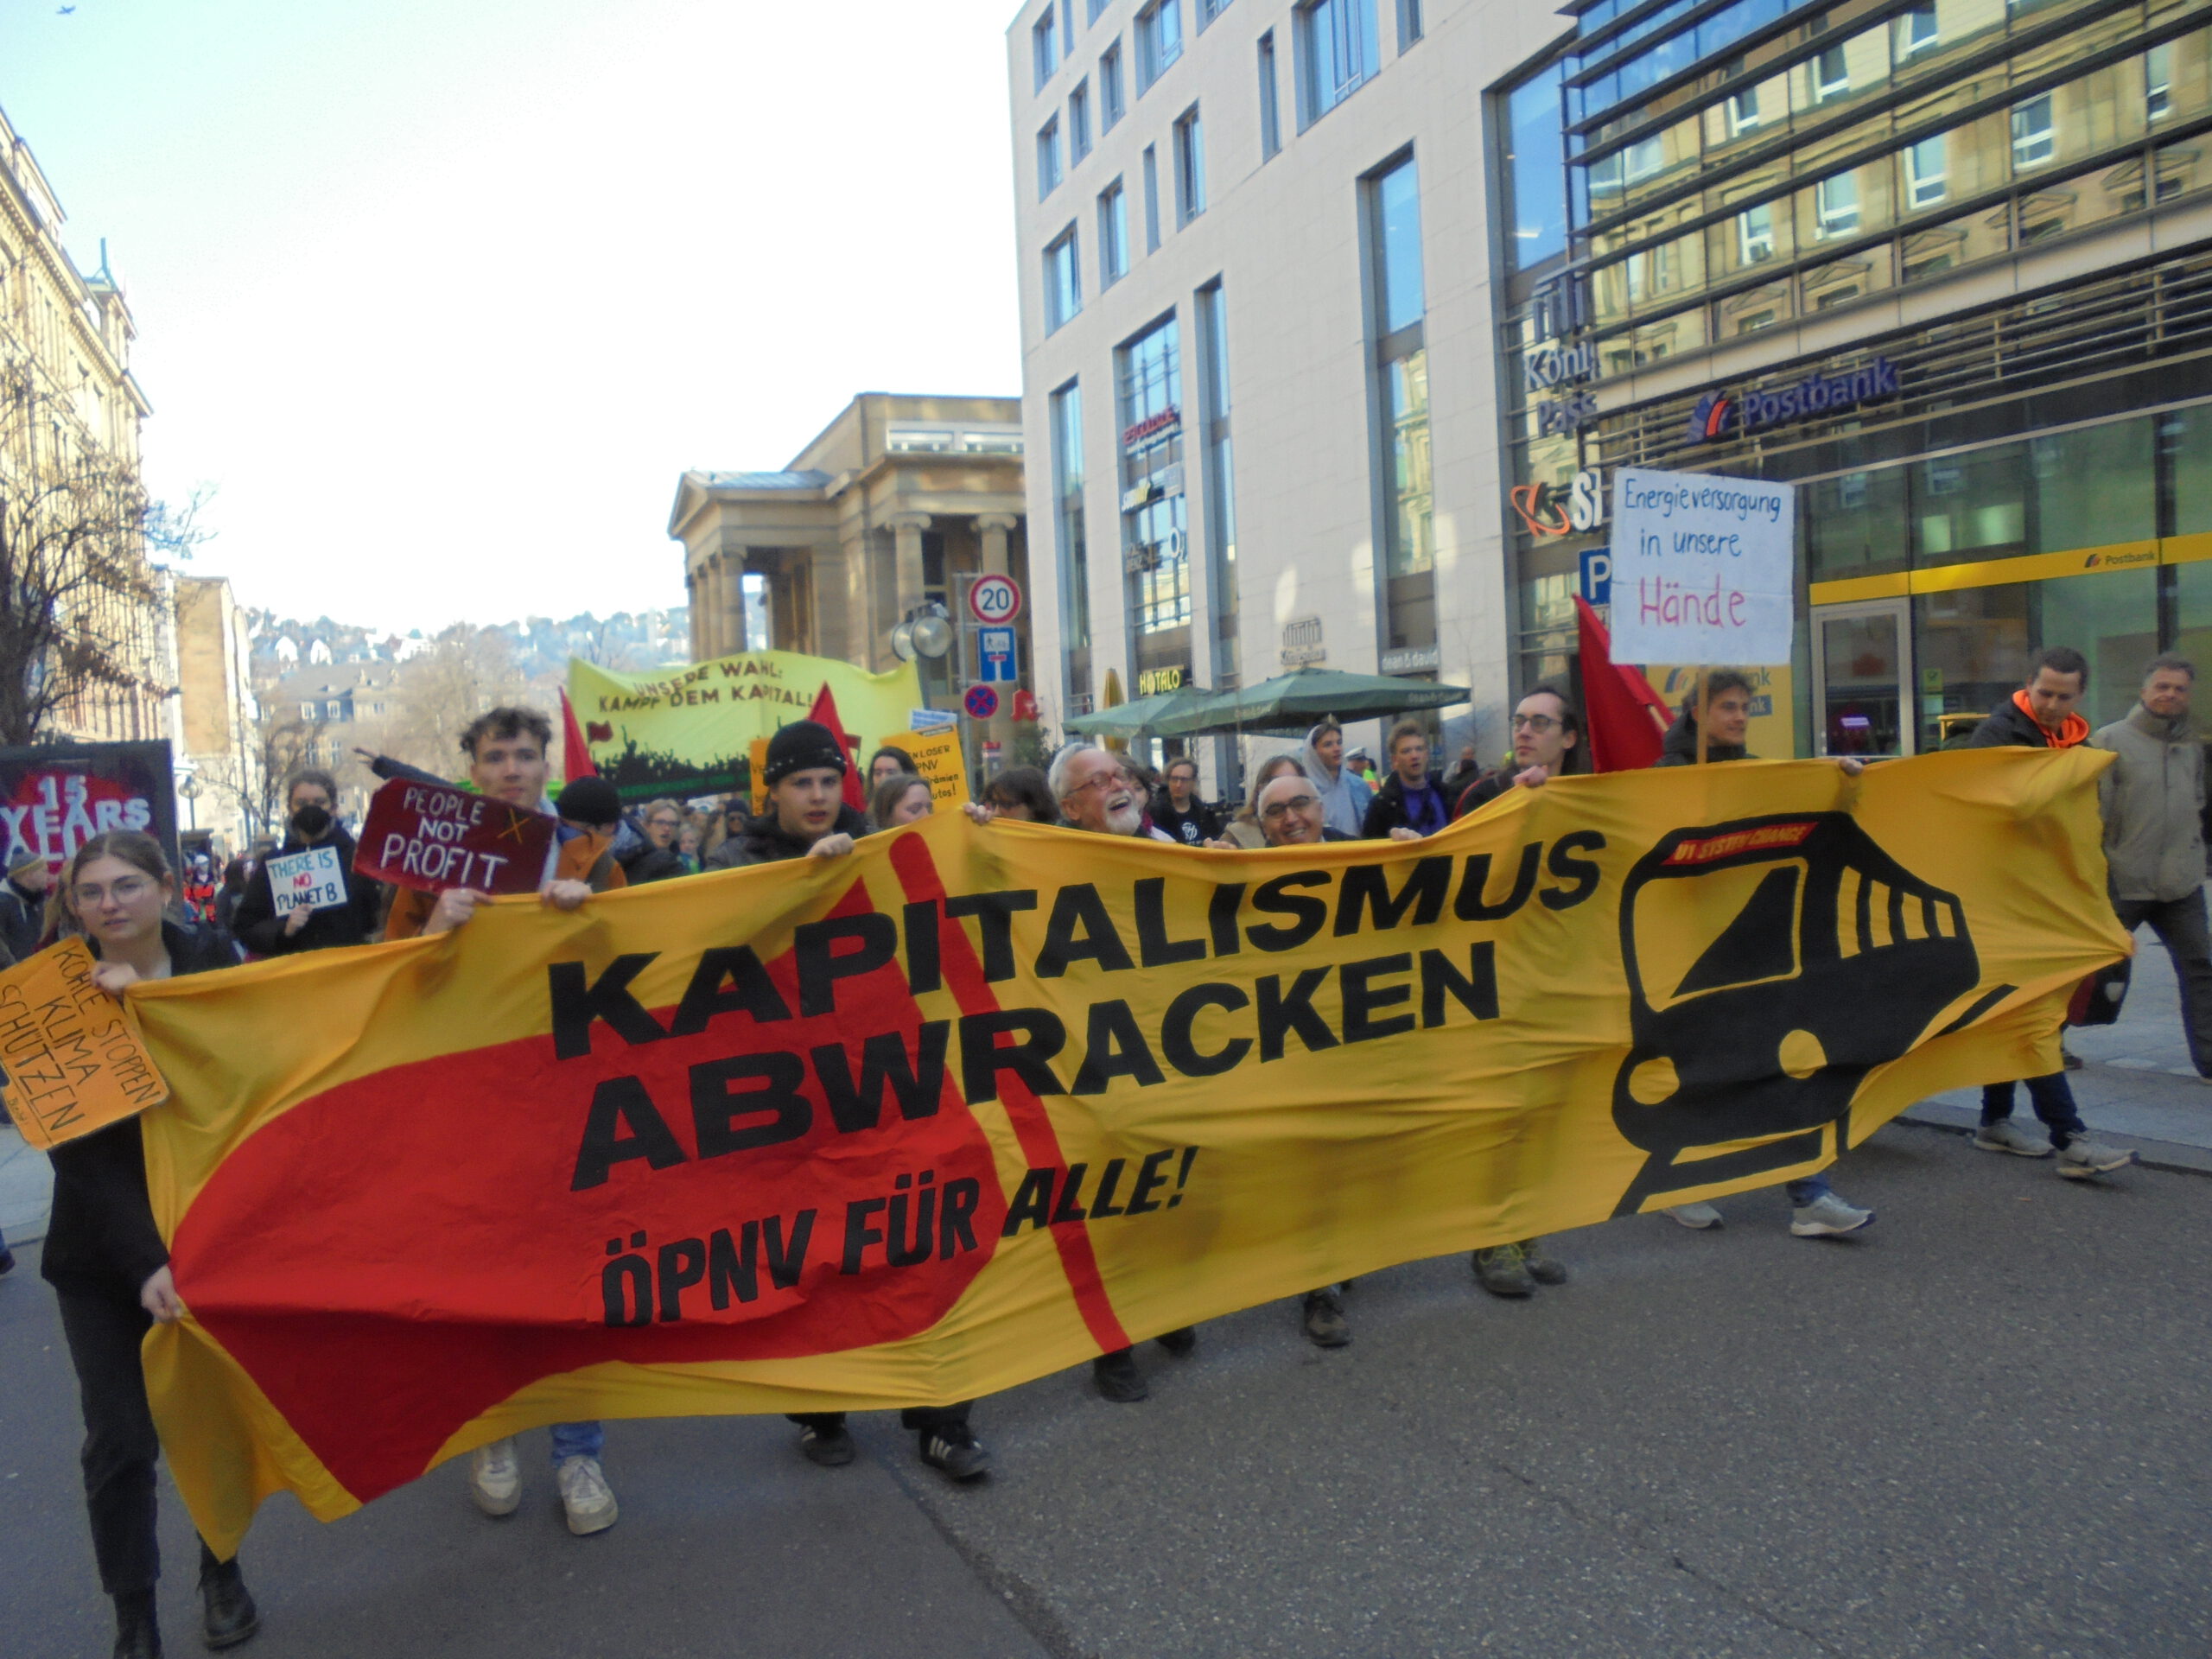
[994, 599]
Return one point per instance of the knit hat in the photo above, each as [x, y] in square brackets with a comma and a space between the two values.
[24, 858]
[801, 746]
[589, 800]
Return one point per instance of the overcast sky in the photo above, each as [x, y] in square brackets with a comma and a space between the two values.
[441, 296]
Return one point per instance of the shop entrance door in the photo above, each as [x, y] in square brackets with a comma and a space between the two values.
[1862, 678]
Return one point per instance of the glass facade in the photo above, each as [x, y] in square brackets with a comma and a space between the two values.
[1681, 176]
[1408, 563]
[1155, 544]
[1074, 552]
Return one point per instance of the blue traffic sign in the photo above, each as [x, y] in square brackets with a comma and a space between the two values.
[981, 702]
[996, 647]
[1598, 575]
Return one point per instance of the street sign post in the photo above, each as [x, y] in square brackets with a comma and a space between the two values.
[994, 599]
[994, 648]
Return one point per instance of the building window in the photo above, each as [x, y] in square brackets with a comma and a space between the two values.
[1155, 550]
[1063, 280]
[1924, 183]
[1831, 75]
[1336, 46]
[1835, 202]
[1190, 168]
[1754, 238]
[1536, 175]
[1074, 555]
[1645, 159]
[1210, 10]
[1067, 29]
[1917, 30]
[1045, 42]
[1099, 8]
[1113, 235]
[1160, 40]
[1112, 103]
[2035, 133]
[1151, 202]
[1270, 106]
[2159, 81]
[1393, 205]
[1048, 158]
[1409, 22]
[1743, 111]
[1221, 476]
[1079, 121]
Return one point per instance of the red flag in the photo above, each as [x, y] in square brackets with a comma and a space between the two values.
[825, 712]
[575, 754]
[1617, 703]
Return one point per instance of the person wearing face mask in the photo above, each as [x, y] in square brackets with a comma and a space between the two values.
[109, 1268]
[310, 800]
[1343, 794]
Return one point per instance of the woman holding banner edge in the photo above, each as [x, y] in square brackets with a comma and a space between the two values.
[109, 1266]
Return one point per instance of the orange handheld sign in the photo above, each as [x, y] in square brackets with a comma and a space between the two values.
[73, 1062]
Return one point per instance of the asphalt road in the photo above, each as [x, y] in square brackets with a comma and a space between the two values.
[1979, 1428]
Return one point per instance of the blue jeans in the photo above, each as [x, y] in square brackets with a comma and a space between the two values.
[1811, 1189]
[2052, 1096]
[578, 1440]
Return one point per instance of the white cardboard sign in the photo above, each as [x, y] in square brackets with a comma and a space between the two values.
[315, 879]
[1702, 569]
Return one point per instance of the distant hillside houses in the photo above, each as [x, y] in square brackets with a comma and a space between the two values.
[629, 641]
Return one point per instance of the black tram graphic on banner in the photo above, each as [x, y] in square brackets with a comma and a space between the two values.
[1772, 962]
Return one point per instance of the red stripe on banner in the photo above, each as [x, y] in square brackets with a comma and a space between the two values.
[1033, 1125]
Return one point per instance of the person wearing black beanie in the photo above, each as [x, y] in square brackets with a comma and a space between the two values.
[806, 814]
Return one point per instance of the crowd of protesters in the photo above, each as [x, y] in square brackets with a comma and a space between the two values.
[143, 920]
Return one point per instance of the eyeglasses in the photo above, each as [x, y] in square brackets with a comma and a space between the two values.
[664, 824]
[1104, 779]
[1537, 723]
[1282, 810]
[125, 890]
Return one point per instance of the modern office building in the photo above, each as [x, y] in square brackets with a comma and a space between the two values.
[1260, 376]
[1944, 264]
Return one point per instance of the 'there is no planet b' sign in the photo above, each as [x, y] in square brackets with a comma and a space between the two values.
[1702, 569]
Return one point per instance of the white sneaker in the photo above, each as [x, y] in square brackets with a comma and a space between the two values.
[2081, 1158]
[2006, 1135]
[586, 1495]
[1827, 1215]
[1699, 1215]
[495, 1477]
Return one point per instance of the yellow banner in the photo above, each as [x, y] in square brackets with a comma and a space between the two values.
[972, 1105]
[687, 731]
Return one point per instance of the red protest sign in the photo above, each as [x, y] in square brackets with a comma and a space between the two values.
[432, 837]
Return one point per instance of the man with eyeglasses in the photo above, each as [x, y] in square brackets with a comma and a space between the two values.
[1547, 742]
[656, 859]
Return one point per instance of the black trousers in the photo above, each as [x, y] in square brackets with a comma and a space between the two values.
[103, 1330]
[2180, 926]
[921, 1417]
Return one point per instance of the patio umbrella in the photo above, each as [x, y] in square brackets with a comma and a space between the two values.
[1292, 702]
[1138, 719]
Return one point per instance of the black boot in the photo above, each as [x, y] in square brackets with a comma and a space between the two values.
[136, 1633]
[231, 1616]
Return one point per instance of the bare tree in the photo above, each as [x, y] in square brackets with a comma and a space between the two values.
[466, 671]
[76, 591]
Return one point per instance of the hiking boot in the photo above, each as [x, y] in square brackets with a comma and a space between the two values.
[829, 1444]
[495, 1477]
[228, 1616]
[1698, 1216]
[1324, 1319]
[586, 1495]
[1116, 1375]
[138, 1636]
[1544, 1269]
[1182, 1343]
[1827, 1217]
[955, 1449]
[2081, 1158]
[1501, 1272]
[2006, 1135]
